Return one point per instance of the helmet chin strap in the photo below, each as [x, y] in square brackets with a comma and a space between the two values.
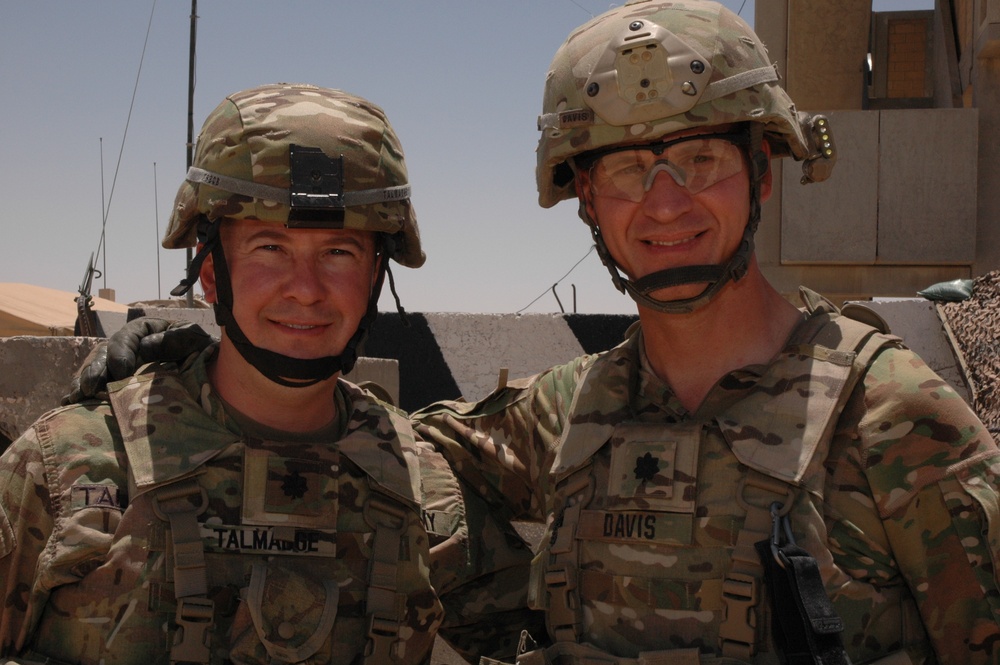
[282, 369]
[716, 276]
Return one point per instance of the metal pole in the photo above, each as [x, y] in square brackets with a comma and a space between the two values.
[156, 216]
[190, 122]
[103, 248]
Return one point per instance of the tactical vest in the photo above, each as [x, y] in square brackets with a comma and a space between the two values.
[245, 551]
[649, 550]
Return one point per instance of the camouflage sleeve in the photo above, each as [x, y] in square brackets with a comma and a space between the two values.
[26, 522]
[503, 445]
[54, 522]
[479, 564]
[916, 472]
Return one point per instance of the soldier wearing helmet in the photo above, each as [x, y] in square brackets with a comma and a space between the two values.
[249, 167]
[740, 481]
[624, 98]
[248, 505]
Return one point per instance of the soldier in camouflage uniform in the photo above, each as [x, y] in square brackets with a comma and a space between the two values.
[740, 481]
[248, 505]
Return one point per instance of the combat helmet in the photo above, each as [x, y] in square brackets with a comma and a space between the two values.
[649, 69]
[305, 157]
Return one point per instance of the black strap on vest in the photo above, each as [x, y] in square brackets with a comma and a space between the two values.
[805, 625]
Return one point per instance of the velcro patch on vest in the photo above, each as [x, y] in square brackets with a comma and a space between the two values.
[290, 491]
[268, 540]
[653, 466]
[635, 527]
[96, 496]
[440, 522]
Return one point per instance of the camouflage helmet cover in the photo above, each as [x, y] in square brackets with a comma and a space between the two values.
[649, 69]
[246, 141]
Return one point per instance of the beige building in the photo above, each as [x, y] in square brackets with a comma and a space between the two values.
[914, 102]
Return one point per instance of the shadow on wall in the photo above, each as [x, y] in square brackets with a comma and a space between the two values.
[451, 355]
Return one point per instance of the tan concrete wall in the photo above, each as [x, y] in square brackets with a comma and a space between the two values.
[771, 25]
[897, 215]
[925, 202]
[927, 182]
[827, 47]
[835, 221]
[34, 375]
[478, 347]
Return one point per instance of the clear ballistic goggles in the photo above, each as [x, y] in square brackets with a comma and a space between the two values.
[695, 162]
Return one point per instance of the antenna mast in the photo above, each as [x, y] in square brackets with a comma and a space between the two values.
[190, 120]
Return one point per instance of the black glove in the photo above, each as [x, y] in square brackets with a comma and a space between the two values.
[139, 341]
[152, 340]
[91, 379]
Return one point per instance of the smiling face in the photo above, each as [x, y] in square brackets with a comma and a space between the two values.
[297, 292]
[671, 227]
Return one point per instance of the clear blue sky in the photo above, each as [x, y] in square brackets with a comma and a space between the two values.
[460, 81]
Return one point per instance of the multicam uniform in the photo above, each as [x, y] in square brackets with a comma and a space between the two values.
[137, 529]
[652, 511]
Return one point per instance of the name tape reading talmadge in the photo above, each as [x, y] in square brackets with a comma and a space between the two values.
[270, 540]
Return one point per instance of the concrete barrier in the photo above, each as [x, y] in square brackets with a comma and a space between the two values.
[917, 321]
[35, 373]
[432, 356]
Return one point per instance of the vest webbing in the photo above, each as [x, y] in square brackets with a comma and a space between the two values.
[564, 609]
[195, 611]
[391, 512]
[194, 617]
[739, 632]
[385, 607]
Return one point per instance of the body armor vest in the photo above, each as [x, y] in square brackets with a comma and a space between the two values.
[649, 549]
[225, 549]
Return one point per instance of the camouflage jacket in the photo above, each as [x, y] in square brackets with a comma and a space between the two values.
[890, 484]
[299, 564]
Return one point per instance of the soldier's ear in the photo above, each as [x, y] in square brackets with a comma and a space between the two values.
[768, 179]
[582, 184]
[207, 277]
